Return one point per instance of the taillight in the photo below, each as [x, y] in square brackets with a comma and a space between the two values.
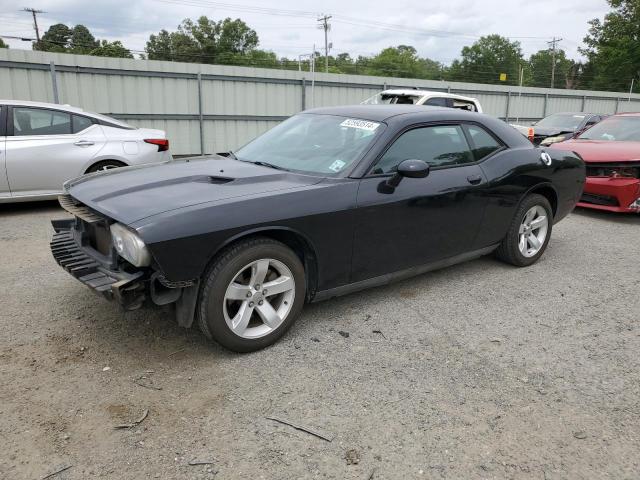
[162, 143]
[530, 134]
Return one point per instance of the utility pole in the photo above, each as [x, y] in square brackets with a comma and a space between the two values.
[34, 12]
[552, 46]
[326, 26]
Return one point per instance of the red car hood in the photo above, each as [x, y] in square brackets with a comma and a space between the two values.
[601, 150]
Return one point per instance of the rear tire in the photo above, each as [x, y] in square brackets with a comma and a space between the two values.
[105, 165]
[251, 295]
[529, 232]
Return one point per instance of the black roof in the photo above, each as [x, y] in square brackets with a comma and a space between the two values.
[401, 116]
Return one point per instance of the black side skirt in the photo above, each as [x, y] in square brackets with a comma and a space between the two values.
[401, 275]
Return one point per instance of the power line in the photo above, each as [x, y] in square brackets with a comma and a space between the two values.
[34, 12]
[325, 26]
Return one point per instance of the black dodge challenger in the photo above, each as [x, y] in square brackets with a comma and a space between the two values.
[331, 201]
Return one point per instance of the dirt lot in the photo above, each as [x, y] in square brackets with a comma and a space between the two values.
[480, 371]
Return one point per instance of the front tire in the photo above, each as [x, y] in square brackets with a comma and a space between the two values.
[251, 295]
[529, 232]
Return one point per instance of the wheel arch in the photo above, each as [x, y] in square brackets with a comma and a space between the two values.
[95, 161]
[548, 191]
[301, 245]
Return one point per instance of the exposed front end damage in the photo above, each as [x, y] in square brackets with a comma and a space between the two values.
[614, 187]
[84, 247]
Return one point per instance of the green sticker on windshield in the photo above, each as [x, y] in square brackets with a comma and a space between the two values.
[360, 124]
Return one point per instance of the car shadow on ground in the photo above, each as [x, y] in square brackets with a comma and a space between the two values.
[153, 333]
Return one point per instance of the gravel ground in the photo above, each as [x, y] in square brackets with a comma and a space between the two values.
[480, 371]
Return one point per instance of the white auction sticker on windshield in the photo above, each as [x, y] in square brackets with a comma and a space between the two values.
[337, 166]
[361, 124]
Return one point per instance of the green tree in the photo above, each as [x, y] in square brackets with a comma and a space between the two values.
[613, 47]
[111, 49]
[2, 44]
[81, 41]
[402, 61]
[207, 41]
[540, 70]
[486, 59]
[55, 39]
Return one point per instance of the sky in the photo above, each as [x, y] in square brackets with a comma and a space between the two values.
[438, 29]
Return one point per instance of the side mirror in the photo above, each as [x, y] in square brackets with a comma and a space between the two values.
[410, 169]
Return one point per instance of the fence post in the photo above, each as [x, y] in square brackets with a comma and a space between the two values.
[617, 104]
[384, 86]
[448, 88]
[54, 82]
[584, 100]
[304, 93]
[200, 115]
[506, 114]
[546, 101]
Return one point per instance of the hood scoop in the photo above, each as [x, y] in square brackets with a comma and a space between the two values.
[213, 180]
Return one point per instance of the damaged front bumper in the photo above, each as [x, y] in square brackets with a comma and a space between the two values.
[613, 194]
[103, 273]
[128, 289]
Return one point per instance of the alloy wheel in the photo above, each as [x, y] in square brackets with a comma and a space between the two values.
[533, 231]
[259, 298]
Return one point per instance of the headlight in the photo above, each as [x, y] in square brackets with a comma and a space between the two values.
[550, 140]
[129, 246]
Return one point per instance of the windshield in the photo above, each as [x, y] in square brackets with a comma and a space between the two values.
[312, 143]
[615, 128]
[391, 98]
[564, 121]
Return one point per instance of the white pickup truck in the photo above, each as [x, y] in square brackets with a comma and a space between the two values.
[424, 97]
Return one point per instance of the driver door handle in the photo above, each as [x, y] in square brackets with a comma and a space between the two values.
[474, 179]
[83, 143]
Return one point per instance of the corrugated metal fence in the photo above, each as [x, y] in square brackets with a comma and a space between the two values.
[213, 108]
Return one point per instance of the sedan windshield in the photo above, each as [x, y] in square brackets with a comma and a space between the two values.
[311, 143]
[615, 128]
[564, 121]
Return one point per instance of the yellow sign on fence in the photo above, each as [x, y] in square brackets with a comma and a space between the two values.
[503, 77]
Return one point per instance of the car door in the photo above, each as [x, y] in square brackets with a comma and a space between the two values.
[5, 192]
[46, 147]
[422, 220]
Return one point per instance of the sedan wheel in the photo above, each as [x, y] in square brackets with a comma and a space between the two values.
[252, 294]
[533, 231]
[529, 232]
[105, 165]
[259, 298]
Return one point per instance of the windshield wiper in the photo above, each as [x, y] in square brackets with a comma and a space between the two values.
[232, 155]
[270, 165]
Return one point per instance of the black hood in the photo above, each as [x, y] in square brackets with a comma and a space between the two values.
[130, 194]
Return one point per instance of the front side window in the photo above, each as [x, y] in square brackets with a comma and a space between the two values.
[442, 145]
[483, 143]
[312, 143]
[39, 121]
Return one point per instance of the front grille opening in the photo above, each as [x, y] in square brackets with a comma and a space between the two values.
[97, 236]
[622, 171]
[596, 199]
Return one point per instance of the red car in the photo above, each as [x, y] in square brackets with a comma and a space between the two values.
[611, 151]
